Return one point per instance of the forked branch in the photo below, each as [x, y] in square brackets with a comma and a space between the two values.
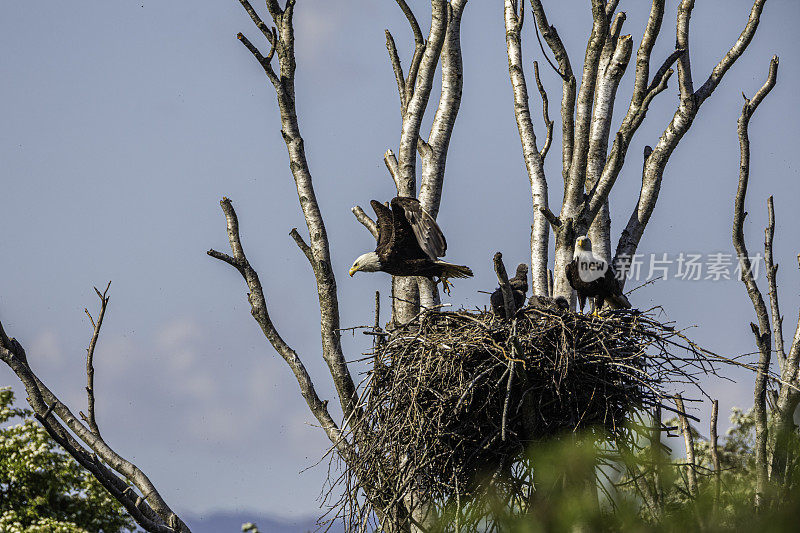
[85, 444]
[90, 417]
[281, 40]
[762, 331]
[258, 308]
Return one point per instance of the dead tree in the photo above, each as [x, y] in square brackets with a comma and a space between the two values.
[589, 170]
[589, 166]
[772, 444]
[414, 88]
[443, 46]
[81, 438]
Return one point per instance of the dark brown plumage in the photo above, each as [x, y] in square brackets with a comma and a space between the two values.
[519, 286]
[409, 244]
[602, 286]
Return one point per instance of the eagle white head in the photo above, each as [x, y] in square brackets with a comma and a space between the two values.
[583, 246]
[368, 262]
[590, 267]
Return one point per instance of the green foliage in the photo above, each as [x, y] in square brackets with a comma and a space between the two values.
[43, 490]
[568, 496]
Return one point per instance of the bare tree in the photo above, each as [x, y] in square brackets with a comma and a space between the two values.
[414, 87]
[82, 440]
[589, 166]
[773, 451]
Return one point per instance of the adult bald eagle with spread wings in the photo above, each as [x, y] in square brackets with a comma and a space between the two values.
[410, 243]
[590, 276]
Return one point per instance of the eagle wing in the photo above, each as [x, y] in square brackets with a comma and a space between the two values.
[428, 235]
[385, 226]
[576, 282]
[613, 289]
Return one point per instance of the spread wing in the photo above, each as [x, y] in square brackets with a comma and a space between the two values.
[611, 283]
[428, 235]
[572, 275]
[385, 226]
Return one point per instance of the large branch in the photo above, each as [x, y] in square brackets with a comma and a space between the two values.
[575, 176]
[772, 270]
[681, 122]
[568, 86]
[147, 508]
[643, 93]
[614, 60]
[573, 188]
[258, 308]
[534, 164]
[323, 272]
[433, 163]
[412, 119]
[688, 440]
[762, 331]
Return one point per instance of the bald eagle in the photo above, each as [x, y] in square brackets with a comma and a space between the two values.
[409, 244]
[591, 276]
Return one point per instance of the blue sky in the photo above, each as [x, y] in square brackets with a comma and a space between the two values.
[124, 123]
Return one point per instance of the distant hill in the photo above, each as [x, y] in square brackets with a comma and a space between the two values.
[231, 522]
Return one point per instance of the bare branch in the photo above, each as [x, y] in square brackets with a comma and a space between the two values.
[651, 31]
[258, 308]
[545, 112]
[318, 242]
[257, 20]
[614, 60]
[419, 49]
[368, 223]
[673, 133]
[305, 248]
[772, 270]
[265, 62]
[153, 512]
[568, 87]
[391, 165]
[434, 160]
[573, 188]
[684, 63]
[663, 71]
[419, 99]
[762, 331]
[688, 440]
[534, 164]
[656, 457]
[715, 450]
[733, 54]
[611, 6]
[398, 71]
[90, 418]
[549, 215]
[505, 287]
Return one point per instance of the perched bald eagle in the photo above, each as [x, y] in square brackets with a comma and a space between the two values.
[590, 276]
[409, 244]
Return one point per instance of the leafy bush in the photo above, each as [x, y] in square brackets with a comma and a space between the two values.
[44, 490]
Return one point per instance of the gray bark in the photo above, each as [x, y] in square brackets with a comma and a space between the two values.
[147, 507]
[534, 160]
[762, 331]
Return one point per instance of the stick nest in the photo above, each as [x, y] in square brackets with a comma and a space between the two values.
[454, 397]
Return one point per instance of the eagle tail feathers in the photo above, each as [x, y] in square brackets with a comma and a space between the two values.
[449, 270]
[618, 301]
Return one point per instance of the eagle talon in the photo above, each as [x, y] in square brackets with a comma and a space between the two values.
[445, 285]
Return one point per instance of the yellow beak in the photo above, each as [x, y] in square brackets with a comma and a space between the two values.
[352, 271]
